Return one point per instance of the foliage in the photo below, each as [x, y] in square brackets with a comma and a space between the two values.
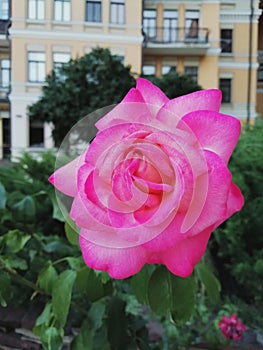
[109, 314]
[88, 83]
[238, 244]
[80, 87]
[175, 85]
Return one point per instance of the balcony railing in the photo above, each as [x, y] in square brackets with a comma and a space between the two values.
[163, 35]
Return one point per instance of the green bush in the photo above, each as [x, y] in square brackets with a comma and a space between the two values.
[238, 244]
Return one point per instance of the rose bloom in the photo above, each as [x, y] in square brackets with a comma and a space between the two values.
[231, 328]
[154, 182]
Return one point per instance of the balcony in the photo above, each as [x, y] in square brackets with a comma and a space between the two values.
[179, 41]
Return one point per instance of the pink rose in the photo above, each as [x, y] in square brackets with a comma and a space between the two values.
[154, 183]
[231, 328]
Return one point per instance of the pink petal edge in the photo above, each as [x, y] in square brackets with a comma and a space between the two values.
[65, 178]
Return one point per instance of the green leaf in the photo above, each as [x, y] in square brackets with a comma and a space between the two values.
[84, 340]
[211, 283]
[2, 197]
[43, 319]
[47, 278]
[15, 240]
[59, 210]
[76, 263]
[96, 314]
[87, 282]
[139, 284]
[169, 293]
[159, 291]
[52, 338]
[100, 340]
[117, 324]
[72, 232]
[14, 262]
[6, 289]
[25, 210]
[183, 297]
[61, 295]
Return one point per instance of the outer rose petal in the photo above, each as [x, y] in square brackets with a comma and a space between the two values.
[65, 178]
[151, 93]
[119, 263]
[181, 259]
[199, 100]
[235, 200]
[215, 132]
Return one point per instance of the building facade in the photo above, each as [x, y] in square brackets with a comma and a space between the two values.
[218, 42]
[214, 41]
[46, 34]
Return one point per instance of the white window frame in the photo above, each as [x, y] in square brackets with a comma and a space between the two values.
[170, 24]
[117, 11]
[5, 73]
[192, 19]
[191, 68]
[36, 9]
[62, 10]
[230, 80]
[149, 22]
[4, 9]
[60, 59]
[93, 17]
[149, 69]
[36, 66]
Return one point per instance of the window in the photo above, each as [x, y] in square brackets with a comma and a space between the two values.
[6, 137]
[62, 10]
[149, 23]
[260, 72]
[4, 9]
[166, 69]
[36, 67]
[192, 71]
[36, 9]
[191, 23]
[225, 87]
[5, 74]
[60, 59]
[148, 70]
[226, 40]
[93, 11]
[117, 11]
[170, 25]
[36, 134]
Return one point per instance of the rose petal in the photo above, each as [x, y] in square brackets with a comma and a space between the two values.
[181, 259]
[65, 178]
[199, 100]
[119, 263]
[220, 204]
[235, 201]
[132, 105]
[151, 93]
[215, 131]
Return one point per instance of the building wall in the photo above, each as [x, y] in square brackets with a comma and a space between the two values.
[75, 36]
[213, 64]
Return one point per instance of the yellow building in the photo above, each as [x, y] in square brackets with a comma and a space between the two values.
[216, 41]
[47, 33]
[210, 40]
